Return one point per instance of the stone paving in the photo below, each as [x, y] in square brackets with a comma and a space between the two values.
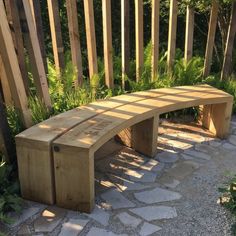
[173, 194]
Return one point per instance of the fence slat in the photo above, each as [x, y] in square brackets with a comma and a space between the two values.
[39, 73]
[211, 38]
[155, 36]
[139, 37]
[188, 53]
[14, 21]
[37, 16]
[125, 38]
[55, 26]
[172, 34]
[72, 14]
[91, 37]
[227, 64]
[12, 68]
[107, 41]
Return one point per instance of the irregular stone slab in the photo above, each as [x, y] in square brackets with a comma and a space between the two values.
[150, 213]
[94, 231]
[167, 157]
[179, 144]
[182, 170]
[205, 148]
[214, 143]
[157, 195]
[232, 139]
[187, 157]
[198, 154]
[196, 138]
[73, 227]
[148, 229]
[116, 199]
[229, 146]
[129, 220]
[24, 230]
[141, 176]
[133, 186]
[168, 181]
[153, 165]
[25, 214]
[100, 216]
[49, 219]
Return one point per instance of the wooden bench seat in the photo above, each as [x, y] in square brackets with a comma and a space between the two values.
[56, 157]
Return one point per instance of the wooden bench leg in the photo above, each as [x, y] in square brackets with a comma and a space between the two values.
[74, 179]
[142, 136]
[216, 118]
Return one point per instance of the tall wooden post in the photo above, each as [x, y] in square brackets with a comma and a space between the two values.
[227, 64]
[172, 34]
[155, 37]
[11, 65]
[188, 53]
[139, 37]
[107, 41]
[125, 38]
[91, 37]
[211, 38]
[55, 25]
[72, 14]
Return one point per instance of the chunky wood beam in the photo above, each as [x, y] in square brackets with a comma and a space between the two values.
[125, 39]
[91, 37]
[9, 57]
[211, 38]
[172, 34]
[155, 37]
[188, 53]
[227, 64]
[55, 25]
[72, 14]
[107, 41]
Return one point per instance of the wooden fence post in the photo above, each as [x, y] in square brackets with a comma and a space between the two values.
[172, 34]
[11, 65]
[91, 37]
[107, 41]
[227, 64]
[39, 73]
[125, 38]
[211, 38]
[55, 26]
[72, 14]
[139, 37]
[155, 37]
[188, 53]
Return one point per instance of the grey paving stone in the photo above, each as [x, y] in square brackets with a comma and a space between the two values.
[179, 144]
[232, 139]
[148, 229]
[206, 148]
[129, 220]
[214, 143]
[49, 219]
[150, 213]
[100, 216]
[73, 227]
[196, 138]
[133, 186]
[229, 146]
[197, 154]
[168, 181]
[94, 231]
[153, 165]
[167, 157]
[157, 195]
[116, 200]
[24, 230]
[141, 176]
[187, 157]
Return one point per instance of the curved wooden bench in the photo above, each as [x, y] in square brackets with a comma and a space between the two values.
[56, 157]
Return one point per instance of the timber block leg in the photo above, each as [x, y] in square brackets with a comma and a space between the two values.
[74, 179]
[142, 137]
[216, 118]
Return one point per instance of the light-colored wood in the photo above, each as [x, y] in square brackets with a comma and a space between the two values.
[107, 42]
[72, 14]
[39, 73]
[155, 37]
[91, 37]
[172, 34]
[188, 53]
[5, 85]
[12, 68]
[139, 37]
[125, 39]
[227, 64]
[211, 38]
[55, 26]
